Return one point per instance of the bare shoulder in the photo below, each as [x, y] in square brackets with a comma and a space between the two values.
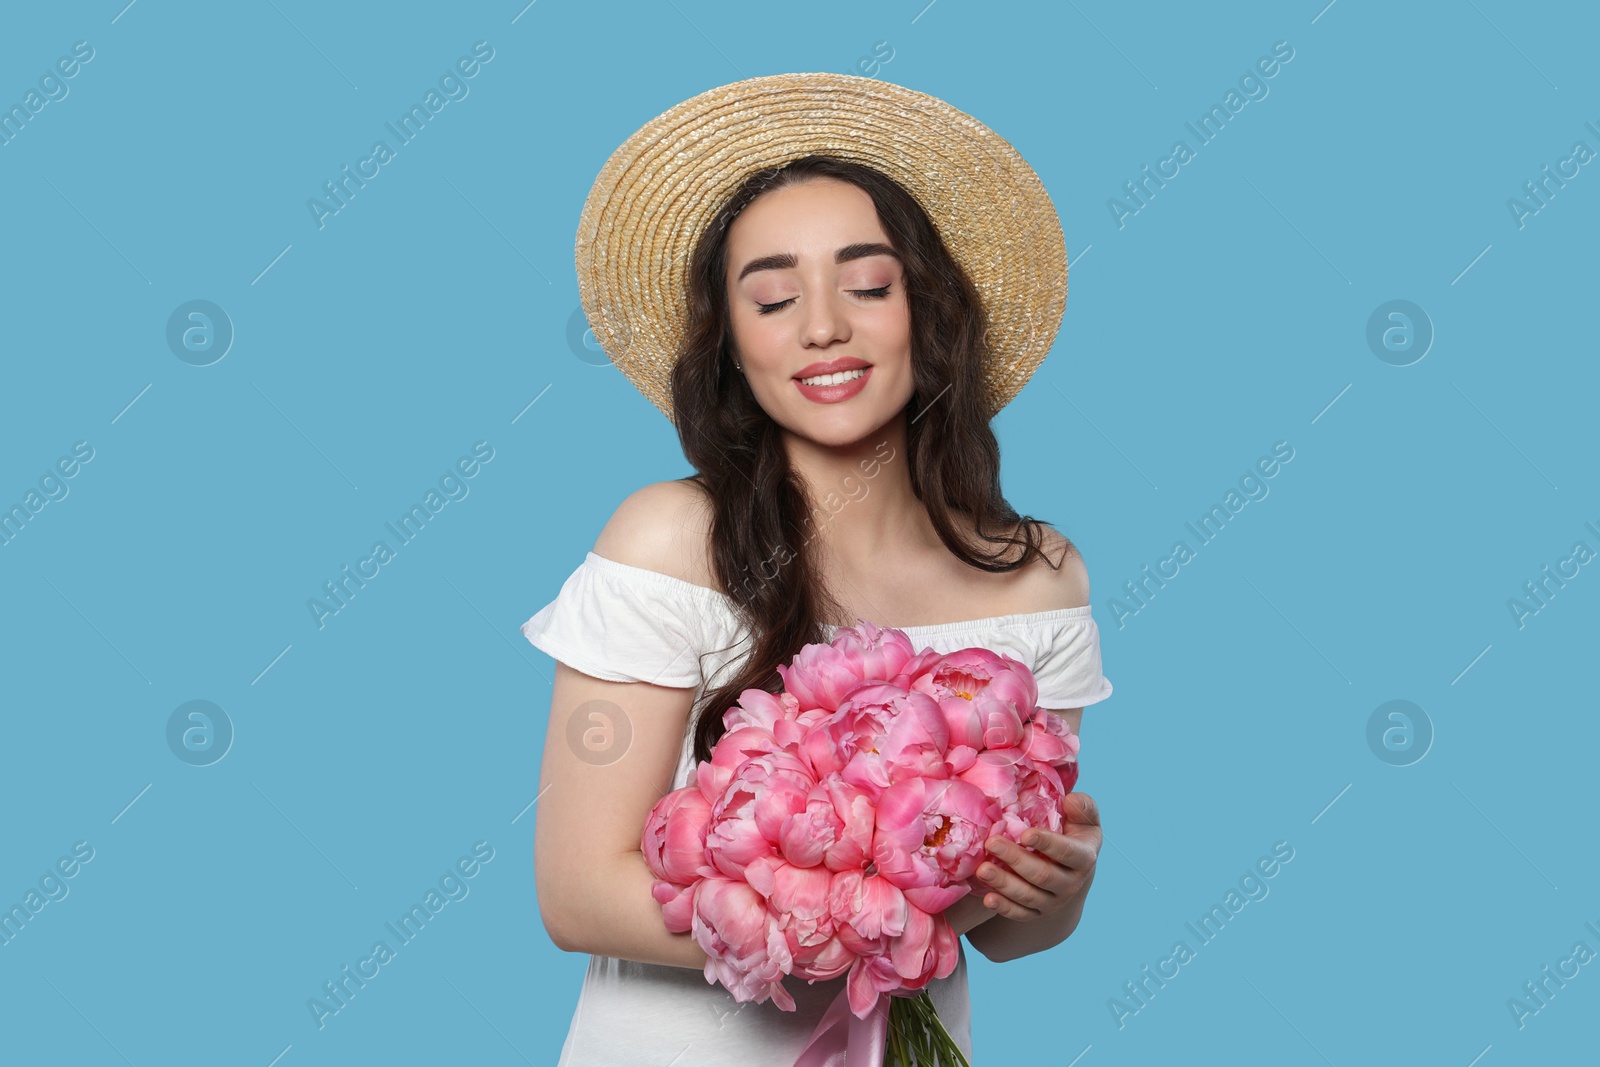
[664, 527]
[1065, 585]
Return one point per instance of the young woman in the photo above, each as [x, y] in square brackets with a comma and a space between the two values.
[829, 285]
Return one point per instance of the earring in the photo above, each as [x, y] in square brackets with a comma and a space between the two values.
[738, 366]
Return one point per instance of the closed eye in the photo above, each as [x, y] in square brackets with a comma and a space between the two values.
[871, 294]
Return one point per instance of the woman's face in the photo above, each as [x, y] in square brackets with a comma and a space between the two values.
[798, 312]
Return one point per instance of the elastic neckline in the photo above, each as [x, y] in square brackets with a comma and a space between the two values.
[722, 601]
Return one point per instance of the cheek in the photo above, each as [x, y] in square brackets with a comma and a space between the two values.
[889, 339]
[745, 328]
[759, 335]
[889, 325]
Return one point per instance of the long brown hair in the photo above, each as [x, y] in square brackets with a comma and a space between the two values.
[761, 512]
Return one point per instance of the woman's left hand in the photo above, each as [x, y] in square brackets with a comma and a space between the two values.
[1053, 873]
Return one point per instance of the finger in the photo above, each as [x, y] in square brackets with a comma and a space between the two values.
[1041, 870]
[1017, 866]
[1073, 851]
[1080, 809]
[1085, 841]
[1003, 905]
[1018, 887]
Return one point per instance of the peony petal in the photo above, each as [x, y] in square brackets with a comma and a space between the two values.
[801, 891]
[756, 707]
[994, 775]
[946, 947]
[863, 994]
[781, 996]
[909, 952]
[1041, 745]
[935, 899]
[677, 905]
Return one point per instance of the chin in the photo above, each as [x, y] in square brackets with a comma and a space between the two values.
[840, 429]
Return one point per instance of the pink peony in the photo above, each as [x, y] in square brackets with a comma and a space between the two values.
[1048, 739]
[821, 676]
[881, 734]
[675, 836]
[835, 829]
[775, 713]
[1038, 803]
[878, 653]
[745, 949]
[732, 749]
[798, 898]
[897, 945]
[747, 819]
[869, 910]
[822, 961]
[930, 836]
[928, 949]
[974, 671]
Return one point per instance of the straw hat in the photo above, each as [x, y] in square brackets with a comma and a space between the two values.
[659, 190]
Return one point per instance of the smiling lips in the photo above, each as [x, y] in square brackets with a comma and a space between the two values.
[834, 381]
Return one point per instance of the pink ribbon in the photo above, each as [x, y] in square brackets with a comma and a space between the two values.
[842, 1040]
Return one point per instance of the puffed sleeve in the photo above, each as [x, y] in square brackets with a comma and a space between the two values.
[1067, 660]
[623, 623]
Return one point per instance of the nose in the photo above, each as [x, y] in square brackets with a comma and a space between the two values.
[824, 321]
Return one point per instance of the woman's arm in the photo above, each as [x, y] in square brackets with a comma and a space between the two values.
[600, 779]
[597, 785]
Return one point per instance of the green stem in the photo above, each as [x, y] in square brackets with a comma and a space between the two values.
[917, 1036]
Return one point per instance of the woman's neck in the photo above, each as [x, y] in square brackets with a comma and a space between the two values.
[863, 506]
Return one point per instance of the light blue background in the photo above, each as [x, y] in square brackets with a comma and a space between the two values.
[1228, 314]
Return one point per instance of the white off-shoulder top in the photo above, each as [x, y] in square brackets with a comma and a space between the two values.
[623, 623]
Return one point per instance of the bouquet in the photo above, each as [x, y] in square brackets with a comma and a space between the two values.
[837, 819]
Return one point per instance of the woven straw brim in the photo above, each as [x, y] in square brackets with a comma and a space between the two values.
[659, 190]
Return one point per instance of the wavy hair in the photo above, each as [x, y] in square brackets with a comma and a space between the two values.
[761, 525]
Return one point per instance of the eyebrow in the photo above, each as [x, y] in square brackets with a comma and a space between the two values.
[787, 261]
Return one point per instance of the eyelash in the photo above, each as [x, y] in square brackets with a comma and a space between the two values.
[873, 294]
